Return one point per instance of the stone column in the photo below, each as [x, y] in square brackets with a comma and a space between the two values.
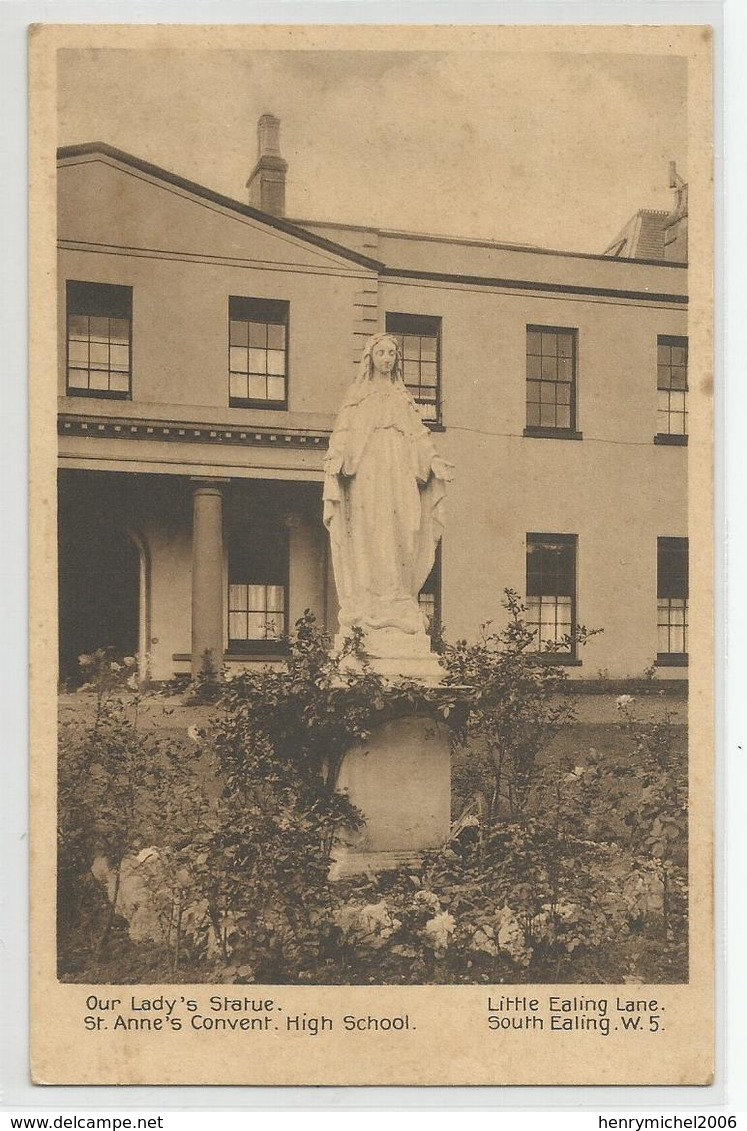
[207, 576]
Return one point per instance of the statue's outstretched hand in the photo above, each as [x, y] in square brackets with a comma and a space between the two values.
[333, 464]
[442, 469]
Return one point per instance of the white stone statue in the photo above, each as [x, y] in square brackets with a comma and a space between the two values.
[383, 506]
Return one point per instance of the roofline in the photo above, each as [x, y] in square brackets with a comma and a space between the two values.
[93, 148]
[530, 285]
[471, 242]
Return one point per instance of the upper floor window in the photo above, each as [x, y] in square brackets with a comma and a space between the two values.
[258, 564]
[671, 386]
[672, 589]
[258, 352]
[551, 382]
[551, 592]
[99, 340]
[419, 340]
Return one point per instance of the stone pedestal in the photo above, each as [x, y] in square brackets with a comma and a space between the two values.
[400, 778]
[396, 655]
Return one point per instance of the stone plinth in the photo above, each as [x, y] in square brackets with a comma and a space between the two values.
[400, 778]
[395, 655]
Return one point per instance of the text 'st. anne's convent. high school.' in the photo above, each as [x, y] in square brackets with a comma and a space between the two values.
[204, 346]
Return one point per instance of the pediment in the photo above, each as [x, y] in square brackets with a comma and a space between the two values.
[109, 202]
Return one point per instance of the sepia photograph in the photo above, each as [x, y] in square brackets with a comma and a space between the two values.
[378, 407]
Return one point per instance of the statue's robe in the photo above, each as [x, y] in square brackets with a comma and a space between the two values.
[382, 506]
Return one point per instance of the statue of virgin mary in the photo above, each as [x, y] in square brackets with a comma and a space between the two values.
[383, 505]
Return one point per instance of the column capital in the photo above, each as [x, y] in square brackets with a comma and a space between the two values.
[202, 485]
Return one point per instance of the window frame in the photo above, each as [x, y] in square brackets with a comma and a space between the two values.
[672, 439]
[113, 300]
[236, 646]
[400, 325]
[664, 581]
[272, 312]
[548, 539]
[552, 432]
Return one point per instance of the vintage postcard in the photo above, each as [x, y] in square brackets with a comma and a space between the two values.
[371, 555]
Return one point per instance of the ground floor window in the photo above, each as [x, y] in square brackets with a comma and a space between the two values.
[429, 598]
[551, 591]
[672, 588]
[257, 588]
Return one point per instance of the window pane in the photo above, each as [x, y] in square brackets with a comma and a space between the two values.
[663, 376]
[276, 598]
[100, 354]
[258, 334]
[563, 393]
[237, 597]
[549, 368]
[547, 416]
[533, 415]
[78, 353]
[238, 333]
[563, 416]
[257, 361]
[275, 361]
[565, 369]
[119, 382]
[565, 345]
[428, 347]
[237, 359]
[119, 330]
[679, 355]
[100, 329]
[275, 336]
[663, 356]
[547, 393]
[99, 379]
[549, 344]
[679, 377]
[276, 388]
[119, 358]
[411, 346]
[238, 387]
[78, 326]
[237, 628]
[258, 388]
[534, 343]
[77, 378]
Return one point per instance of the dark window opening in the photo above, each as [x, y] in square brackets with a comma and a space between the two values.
[419, 340]
[99, 340]
[551, 592]
[671, 386]
[672, 590]
[257, 588]
[551, 380]
[258, 352]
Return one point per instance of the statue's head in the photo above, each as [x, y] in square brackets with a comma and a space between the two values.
[381, 354]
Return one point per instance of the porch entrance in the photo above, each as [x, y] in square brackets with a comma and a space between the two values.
[99, 581]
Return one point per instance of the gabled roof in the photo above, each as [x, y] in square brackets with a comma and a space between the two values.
[100, 148]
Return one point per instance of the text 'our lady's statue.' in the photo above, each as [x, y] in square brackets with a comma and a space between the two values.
[383, 505]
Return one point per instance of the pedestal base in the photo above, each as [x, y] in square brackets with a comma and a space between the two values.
[401, 781]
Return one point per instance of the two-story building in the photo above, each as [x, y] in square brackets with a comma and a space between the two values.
[204, 348]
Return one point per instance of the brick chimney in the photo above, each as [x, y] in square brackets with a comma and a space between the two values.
[266, 183]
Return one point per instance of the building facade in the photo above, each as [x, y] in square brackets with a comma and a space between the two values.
[204, 348]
